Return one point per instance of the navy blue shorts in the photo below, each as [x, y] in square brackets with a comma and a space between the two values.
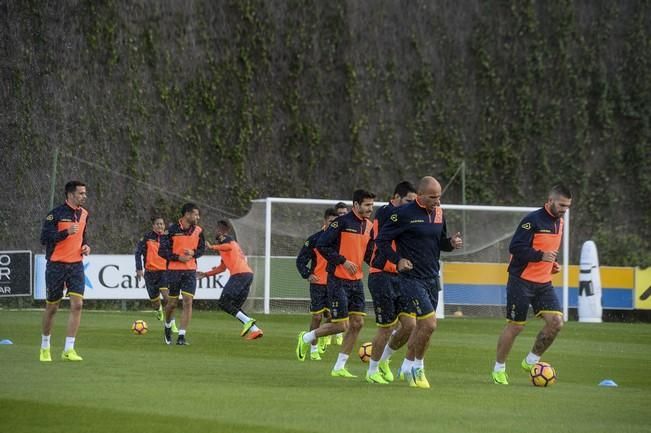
[318, 298]
[522, 293]
[64, 275]
[345, 297]
[184, 282]
[155, 281]
[422, 293]
[237, 289]
[388, 301]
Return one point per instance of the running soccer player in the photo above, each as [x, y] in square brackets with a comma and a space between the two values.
[533, 249]
[241, 276]
[420, 233]
[155, 267]
[64, 237]
[312, 266]
[391, 308]
[181, 247]
[343, 245]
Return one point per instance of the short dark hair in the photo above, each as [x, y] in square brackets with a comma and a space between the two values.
[404, 188]
[560, 189]
[360, 194]
[330, 212]
[225, 224]
[188, 207]
[71, 186]
[157, 217]
[341, 205]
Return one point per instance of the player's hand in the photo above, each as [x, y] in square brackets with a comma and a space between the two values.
[85, 250]
[313, 279]
[189, 252]
[405, 265]
[208, 244]
[556, 268]
[139, 274]
[184, 258]
[74, 228]
[456, 241]
[350, 267]
[549, 256]
[200, 275]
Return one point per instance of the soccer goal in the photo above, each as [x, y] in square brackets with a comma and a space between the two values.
[473, 278]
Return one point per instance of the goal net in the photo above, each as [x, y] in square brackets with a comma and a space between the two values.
[473, 278]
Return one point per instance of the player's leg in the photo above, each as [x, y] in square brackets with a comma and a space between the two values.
[545, 305]
[379, 285]
[318, 308]
[188, 288]
[355, 305]
[54, 282]
[76, 285]
[173, 299]
[517, 301]
[424, 298]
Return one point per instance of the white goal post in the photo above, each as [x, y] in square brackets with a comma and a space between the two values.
[286, 217]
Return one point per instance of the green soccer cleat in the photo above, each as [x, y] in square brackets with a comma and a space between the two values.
[246, 327]
[327, 341]
[302, 347]
[376, 378]
[339, 339]
[71, 355]
[500, 377]
[174, 329]
[321, 343]
[386, 370]
[342, 372]
[419, 378]
[525, 366]
[45, 355]
[315, 356]
[160, 315]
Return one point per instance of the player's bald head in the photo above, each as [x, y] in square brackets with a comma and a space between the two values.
[428, 185]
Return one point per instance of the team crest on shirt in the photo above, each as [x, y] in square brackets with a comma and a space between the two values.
[334, 224]
[394, 217]
[307, 243]
[526, 226]
[50, 217]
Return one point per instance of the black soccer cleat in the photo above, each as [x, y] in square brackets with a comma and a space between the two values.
[181, 341]
[168, 335]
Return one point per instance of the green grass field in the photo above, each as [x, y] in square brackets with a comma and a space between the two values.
[221, 383]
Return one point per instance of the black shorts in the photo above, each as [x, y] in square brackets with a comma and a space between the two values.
[318, 298]
[184, 282]
[522, 293]
[154, 282]
[345, 297]
[388, 302]
[237, 289]
[421, 293]
[64, 275]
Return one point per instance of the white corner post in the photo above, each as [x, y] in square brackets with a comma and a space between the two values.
[267, 255]
[566, 265]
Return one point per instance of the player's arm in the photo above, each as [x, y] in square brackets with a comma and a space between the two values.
[370, 245]
[390, 230]
[141, 251]
[165, 249]
[304, 257]
[445, 243]
[328, 243]
[85, 248]
[216, 270]
[521, 244]
[50, 233]
[201, 247]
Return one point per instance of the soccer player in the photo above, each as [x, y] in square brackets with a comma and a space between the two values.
[312, 266]
[241, 276]
[533, 249]
[420, 234]
[341, 208]
[155, 267]
[391, 308]
[182, 245]
[64, 237]
[343, 245]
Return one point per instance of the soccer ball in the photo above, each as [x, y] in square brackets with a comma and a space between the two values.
[364, 351]
[139, 327]
[543, 374]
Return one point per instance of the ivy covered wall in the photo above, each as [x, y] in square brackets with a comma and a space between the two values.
[153, 102]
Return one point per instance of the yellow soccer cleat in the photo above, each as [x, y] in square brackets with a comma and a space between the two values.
[419, 378]
[376, 378]
[70, 355]
[45, 355]
[500, 377]
[315, 356]
[342, 372]
[386, 370]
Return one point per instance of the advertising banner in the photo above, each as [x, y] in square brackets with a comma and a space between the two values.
[15, 273]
